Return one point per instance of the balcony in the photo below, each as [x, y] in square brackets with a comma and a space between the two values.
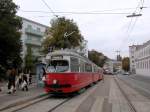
[31, 42]
[34, 32]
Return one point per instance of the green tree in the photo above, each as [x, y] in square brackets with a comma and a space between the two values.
[97, 57]
[126, 64]
[29, 60]
[10, 43]
[55, 34]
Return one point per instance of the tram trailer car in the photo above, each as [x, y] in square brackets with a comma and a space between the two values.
[68, 72]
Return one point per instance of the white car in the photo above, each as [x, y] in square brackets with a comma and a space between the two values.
[126, 73]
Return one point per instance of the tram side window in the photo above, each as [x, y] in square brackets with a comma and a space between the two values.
[74, 65]
[95, 70]
[82, 66]
[88, 67]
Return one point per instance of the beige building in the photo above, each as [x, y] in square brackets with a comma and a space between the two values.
[113, 66]
[140, 58]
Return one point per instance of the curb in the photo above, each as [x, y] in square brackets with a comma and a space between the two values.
[17, 103]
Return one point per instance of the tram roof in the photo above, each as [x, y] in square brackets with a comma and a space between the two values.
[70, 53]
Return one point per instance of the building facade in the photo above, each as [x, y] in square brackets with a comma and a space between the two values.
[140, 58]
[113, 65]
[32, 35]
[132, 50]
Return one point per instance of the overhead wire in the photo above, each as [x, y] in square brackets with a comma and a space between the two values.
[49, 8]
[130, 23]
[130, 28]
[142, 3]
[79, 12]
[108, 11]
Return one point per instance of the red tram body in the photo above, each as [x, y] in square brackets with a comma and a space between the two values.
[68, 72]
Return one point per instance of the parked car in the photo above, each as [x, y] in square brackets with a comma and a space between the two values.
[108, 72]
[126, 73]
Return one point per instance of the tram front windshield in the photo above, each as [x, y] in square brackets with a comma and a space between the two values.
[58, 66]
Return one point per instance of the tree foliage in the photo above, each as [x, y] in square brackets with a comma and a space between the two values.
[97, 57]
[29, 59]
[55, 34]
[10, 44]
[126, 64]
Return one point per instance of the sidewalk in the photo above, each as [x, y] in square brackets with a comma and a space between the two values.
[7, 100]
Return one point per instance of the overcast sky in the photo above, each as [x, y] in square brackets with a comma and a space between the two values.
[104, 32]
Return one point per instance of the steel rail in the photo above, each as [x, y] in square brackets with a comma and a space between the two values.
[58, 105]
[24, 104]
[126, 97]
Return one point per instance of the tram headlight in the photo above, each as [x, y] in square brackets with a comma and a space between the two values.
[54, 81]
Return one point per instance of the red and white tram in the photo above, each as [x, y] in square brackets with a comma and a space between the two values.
[67, 72]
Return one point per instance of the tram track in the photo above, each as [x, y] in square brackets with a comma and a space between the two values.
[53, 101]
[56, 103]
[132, 107]
[23, 104]
[50, 104]
[60, 104]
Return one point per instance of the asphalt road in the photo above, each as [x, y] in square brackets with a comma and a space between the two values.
[139, 83]
[94, 99]
[104, 96]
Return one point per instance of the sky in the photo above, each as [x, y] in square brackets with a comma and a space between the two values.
[107, 32]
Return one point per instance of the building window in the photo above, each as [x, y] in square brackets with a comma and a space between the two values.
[29, 26]
[29, 37]
[149, 64]
[38, 29]
[136, 65]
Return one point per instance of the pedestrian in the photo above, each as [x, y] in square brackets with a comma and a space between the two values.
[19, 82]
[30, 78]
[11, 81]
[24, 82]
[0, 87]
